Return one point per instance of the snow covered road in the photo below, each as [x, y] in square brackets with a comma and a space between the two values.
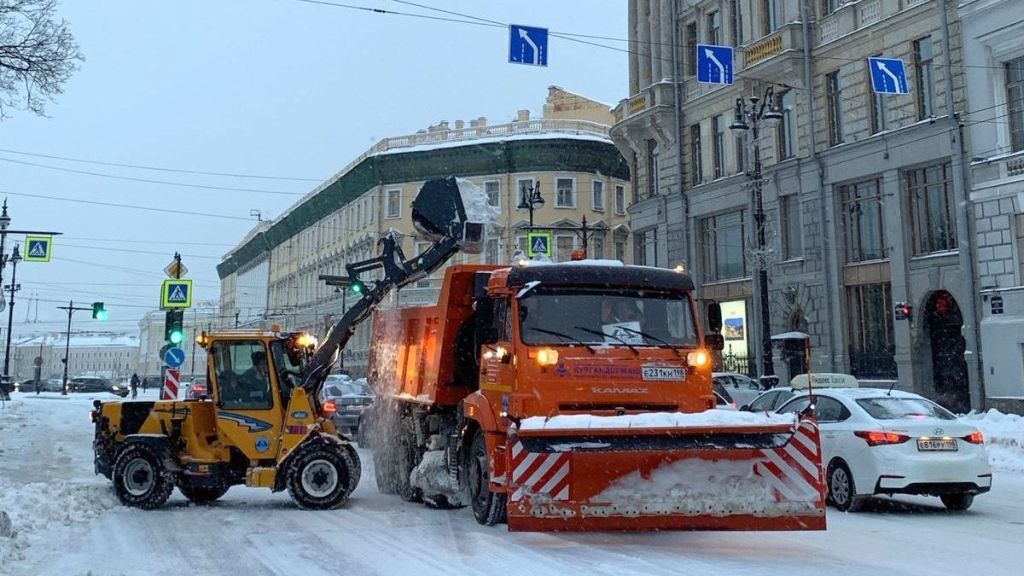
[69, 523]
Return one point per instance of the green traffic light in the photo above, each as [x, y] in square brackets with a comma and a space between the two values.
[101, 314]
[176, 336]
[357, 287]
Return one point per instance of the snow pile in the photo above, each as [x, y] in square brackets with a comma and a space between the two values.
[38, 507]
[478, 209]
[695, 487]
[657, 420]
[1004, 438]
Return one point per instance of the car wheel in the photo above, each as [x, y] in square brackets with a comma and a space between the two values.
[140, 479]
[488, 508]
[958, 502]
[842, 492]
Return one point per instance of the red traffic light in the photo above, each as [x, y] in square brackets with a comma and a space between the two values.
[903, 311]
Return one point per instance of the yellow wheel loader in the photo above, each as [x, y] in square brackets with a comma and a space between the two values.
[262, 423]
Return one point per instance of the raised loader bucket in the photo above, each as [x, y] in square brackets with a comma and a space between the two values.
[665, 472]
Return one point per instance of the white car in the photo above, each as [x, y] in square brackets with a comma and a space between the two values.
[737, 388]
[875, 441]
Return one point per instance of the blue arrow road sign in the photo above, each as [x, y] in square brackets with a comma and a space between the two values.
[527, 45]
[174, 357]
[714, 64]
[888, 76]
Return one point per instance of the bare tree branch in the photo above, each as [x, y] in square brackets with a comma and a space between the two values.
[37, 55]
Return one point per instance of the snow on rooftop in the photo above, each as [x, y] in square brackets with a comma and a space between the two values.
[494, 139]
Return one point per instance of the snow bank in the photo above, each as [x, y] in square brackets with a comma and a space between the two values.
[38, 507]
[1004, 438]
[657, 420]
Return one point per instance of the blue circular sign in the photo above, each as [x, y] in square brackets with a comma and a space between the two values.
[174, 357]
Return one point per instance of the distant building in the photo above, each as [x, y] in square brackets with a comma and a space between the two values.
[99, 354]
[271, 277]
[203, 316]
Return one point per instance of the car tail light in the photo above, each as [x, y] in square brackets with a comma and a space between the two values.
[975, 437]
[875, 438]
[329, 408]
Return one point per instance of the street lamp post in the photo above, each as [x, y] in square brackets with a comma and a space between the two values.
[530, 199]
[13, 287]
[748, 121]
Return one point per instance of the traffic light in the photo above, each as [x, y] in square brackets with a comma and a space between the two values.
[173, 331]
[98, 311]
[358, 286]
[903, 311]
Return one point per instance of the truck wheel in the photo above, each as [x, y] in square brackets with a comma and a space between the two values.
[384, 468]
[202, 494]
[320, 477]
[140, 478]
[488, 507]
[406, 460]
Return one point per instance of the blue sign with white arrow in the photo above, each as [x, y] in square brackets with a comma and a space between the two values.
[174, 357]
[714, 64]
[527, 45]
[888, 76]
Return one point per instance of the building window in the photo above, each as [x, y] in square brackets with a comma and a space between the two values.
[923, 66]
[835, 112]
[872, 353]
[653, 166]
[787, 128]
[879, 110]
[493, 251]
[718, 146]
[493, 189]
[564, 245]
[741, 154]
[565, 193]
[691, 49]
[862, 218]
[1015, 101]
[769, 21]
[724, 237]
[830, 6]
[595, 247]
[620, 199]
[714, 30]
[931, 207]
[394, 205]
[792, 233]
[736, 23]
[597, 196]
[646, 248]
[695, 160]
[620, 250]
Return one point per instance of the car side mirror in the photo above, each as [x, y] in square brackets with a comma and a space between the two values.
[714, 341]
[714, 317]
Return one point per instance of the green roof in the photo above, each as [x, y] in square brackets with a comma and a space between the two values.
[509, 156]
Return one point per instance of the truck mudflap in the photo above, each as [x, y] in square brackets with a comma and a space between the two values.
[740, 476]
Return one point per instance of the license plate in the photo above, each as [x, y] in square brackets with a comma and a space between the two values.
[664, 373]
[940, 444]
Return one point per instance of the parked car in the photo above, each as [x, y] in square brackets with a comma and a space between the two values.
[735, 387]
[197, 389]
[94, 385]
[877, 441]
[724, 403]
[351, 398]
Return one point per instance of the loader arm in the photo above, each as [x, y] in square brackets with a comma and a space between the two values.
[439, 214]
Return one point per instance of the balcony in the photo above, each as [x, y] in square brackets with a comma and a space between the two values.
[853, 16]
[659, 94]
[998, 175]
[773, 56]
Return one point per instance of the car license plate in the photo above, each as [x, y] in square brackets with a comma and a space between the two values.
[664, 373]
[940, 444]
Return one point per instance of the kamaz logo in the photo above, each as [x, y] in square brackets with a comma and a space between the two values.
[597, 390]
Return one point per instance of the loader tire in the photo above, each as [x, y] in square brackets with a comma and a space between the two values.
[202, 494]
[320, 476]
[357, 467]
[140, 478]
[489, 508]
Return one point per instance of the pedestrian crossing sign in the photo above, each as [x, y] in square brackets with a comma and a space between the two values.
[176, 294]
[37, 248]
[538, 243]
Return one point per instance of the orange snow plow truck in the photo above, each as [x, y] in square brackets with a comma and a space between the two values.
[577, 396]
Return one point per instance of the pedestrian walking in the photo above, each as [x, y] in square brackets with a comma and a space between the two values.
[135, 385]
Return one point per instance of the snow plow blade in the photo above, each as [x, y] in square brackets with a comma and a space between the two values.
[722, 476]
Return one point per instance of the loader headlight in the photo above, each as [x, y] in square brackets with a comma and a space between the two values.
[305, 340]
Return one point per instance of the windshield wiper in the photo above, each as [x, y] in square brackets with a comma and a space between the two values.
[650, 337]
[599, 333]
[566, 336]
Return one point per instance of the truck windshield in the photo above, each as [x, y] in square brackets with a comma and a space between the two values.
[606, 317]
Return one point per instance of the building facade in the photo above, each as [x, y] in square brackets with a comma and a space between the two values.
[994, 76]
[202, 316]
[272, 277]
[859, 189]
[98, 354]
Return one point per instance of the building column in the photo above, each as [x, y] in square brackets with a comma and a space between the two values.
[644, 46]
[655, 23]
[634, 52]
[667, 23]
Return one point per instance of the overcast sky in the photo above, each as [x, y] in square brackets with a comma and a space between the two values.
[282, 88]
